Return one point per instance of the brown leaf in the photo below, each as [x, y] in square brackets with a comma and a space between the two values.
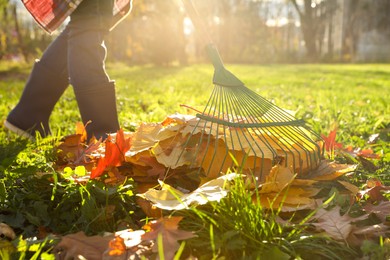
[337, 226]
[374, 191]
[148, 208]
[80, 130]
[360, 234]
[74, 245]
[367, 164]
[382, 210]
[371, 231]
[70, 148]
[74, 150]
[167, 227]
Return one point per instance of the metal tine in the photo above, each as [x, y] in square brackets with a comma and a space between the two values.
[216, 114]
[239, 131]
[251, 117]
[202, 133]
[289, 132]
[239, 113]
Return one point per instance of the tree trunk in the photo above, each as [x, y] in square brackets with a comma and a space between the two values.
[308, 27]
[21, 45]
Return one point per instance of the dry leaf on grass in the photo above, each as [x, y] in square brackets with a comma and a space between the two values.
[288, 200]
[168, 229]
[278, 179]
[169, 198]
[121, 245]
[364, 233]
[327, 171]
[75, 245]
[337, 226]
[283, 191]
[381, 210]
[114, 153]
[374, 191]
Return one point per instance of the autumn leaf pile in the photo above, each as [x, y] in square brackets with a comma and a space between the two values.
[153, 156]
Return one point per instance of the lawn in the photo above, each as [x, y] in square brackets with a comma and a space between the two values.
[353, 100]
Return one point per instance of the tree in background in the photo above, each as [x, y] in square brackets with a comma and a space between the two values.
[157, 31]
[314, 15]
[367, 30]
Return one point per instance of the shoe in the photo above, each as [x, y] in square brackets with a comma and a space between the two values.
[18, 131]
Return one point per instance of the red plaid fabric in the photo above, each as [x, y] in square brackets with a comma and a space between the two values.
[50, 14]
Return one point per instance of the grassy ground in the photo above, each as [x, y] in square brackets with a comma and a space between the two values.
[354, 99]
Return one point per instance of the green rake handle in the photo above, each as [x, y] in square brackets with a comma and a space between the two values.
[222, 76]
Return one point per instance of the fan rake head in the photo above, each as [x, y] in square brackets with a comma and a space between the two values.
[240, 130]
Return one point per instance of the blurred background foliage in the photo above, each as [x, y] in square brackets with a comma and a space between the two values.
[245, 31]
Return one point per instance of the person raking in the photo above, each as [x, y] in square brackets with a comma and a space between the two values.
[77, 57]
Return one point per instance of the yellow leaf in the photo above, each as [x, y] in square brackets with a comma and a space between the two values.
[330, 170]
[171, 153]
[278, 179]
[292, 197]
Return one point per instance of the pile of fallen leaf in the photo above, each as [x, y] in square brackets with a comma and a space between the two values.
[153, 156]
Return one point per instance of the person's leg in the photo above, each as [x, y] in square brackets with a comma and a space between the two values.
[94, 91]
[47, 82]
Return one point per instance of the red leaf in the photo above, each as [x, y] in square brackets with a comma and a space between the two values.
[368, 153]
[114, 154]
[330, 141]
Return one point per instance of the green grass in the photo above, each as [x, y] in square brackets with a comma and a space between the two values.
[355, 99]
[237, 228]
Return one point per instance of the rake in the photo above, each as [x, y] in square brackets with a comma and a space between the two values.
[238, 129]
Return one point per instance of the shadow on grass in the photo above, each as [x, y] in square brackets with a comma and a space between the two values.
[10, 147]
